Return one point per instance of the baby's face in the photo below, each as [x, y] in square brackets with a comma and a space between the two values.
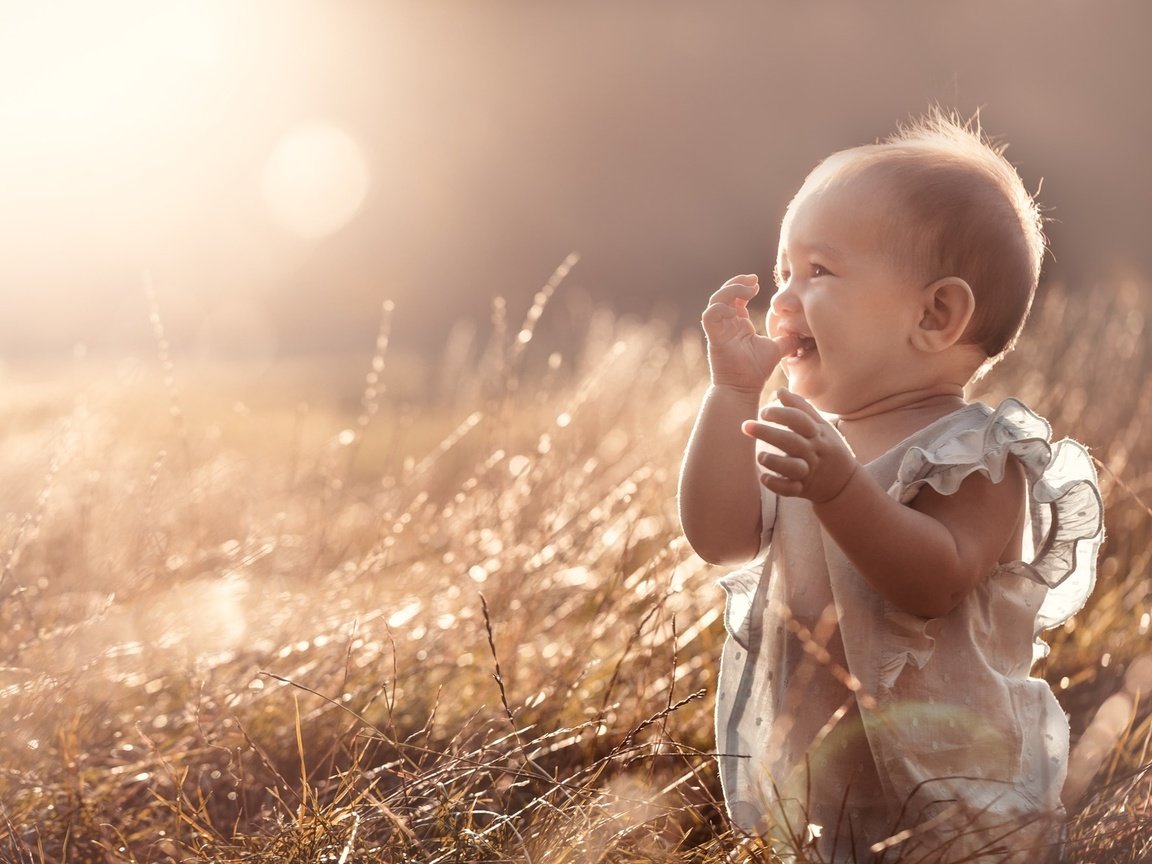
[847, 296]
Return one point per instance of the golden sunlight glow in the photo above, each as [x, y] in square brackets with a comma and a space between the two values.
[180, 137]
[96, 79]
[315, 180]
[105, 109]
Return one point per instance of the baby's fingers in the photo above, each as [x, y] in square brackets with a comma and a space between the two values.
[799, 421]
[791, 400]
[738, 290]
[783, 486]
[787, 344]
[782, 438]
[785, 467]
[723, 321]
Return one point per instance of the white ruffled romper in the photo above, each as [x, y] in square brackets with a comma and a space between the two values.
[845, 725]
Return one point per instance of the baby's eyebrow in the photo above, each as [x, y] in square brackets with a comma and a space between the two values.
[826, 250]
[801, 249]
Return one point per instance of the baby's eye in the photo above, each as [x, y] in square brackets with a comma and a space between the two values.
[820, 270]
[782, 276]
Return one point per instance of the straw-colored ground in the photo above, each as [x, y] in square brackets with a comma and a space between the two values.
[296, 617]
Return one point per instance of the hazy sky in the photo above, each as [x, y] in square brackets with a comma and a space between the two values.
[278, 169]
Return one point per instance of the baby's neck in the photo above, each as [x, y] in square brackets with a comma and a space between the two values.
[876, 429]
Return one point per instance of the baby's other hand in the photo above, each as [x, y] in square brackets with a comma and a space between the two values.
[738, 356]
[814, 461]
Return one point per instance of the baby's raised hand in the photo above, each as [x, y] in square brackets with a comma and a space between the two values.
[814, 461]
[739, 356]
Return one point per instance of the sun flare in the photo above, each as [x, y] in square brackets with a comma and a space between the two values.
[315, 180]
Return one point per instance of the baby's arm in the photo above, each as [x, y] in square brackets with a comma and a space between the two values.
[924, 557]
[720, 509]
[719, 495]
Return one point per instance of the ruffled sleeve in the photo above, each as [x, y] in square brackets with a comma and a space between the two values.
[1064, 503]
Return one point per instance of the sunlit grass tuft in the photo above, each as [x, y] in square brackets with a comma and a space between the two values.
[281, 625]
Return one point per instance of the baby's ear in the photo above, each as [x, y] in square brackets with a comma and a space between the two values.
[946, 308]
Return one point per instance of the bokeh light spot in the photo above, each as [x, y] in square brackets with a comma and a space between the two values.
[315, 180]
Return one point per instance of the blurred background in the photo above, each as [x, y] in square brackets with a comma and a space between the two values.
[277, 170]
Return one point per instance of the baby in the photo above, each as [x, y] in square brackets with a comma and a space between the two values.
[874, 694]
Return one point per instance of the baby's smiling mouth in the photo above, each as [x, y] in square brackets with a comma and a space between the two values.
[795, 345]
[807, 346]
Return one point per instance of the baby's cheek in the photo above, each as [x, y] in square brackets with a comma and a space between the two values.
[770, 323]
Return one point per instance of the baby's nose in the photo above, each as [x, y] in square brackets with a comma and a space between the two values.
[784, 301]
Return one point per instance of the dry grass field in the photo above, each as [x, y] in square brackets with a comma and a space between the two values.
[302, 614]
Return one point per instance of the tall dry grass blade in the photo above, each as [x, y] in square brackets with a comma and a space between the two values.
[446, 444]
[1119, 481]
[29, 529]
[496, 674]
[168, 370]
[539, 302]
[659, 716]
[373, 385]
[335, 703]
